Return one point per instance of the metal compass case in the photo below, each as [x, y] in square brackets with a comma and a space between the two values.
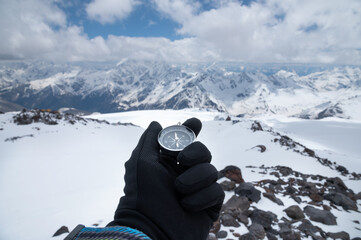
[175, 138]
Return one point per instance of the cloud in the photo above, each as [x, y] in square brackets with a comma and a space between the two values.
[178, 10]
[26, 27]
[109, 11]
[281, 31]
[326, 31]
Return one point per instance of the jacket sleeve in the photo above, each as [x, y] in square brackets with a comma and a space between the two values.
[117, 232]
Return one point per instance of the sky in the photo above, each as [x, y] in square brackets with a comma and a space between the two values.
[259, 31]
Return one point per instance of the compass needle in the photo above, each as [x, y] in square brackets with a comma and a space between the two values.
[175, 138]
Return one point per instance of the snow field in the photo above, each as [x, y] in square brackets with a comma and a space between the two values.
[73, 174]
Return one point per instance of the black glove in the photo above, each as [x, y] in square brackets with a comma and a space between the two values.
[170, 197]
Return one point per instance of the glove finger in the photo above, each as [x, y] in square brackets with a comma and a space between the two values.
[204, 199]
[214, 211]
[196, 178]
[195, 124]
[194, 154]
[148, 143]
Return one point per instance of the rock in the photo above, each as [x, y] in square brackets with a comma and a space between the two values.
[316, 197]
[236, 235]
[284, 228]
[261, 148]
[240, 214]
[309, 152]
[297, 199]
[63, 229]
[242, 218]
[233, 173]
[285, 171]
[290, 190]
[276, 174]
[291, 236]
[309, 229]
[249, 191]
[228, 220]
[339, 235]
[271, 236]
[358, 196]
[247, 236]
[341, 200]
[256, 126]
[337, 183]
[257, 230]
[287, 233]
[228, 185]
[294, 212]
[264, 218]
[273, 198]
[321, 216]
[239, 202]
[342, 170]
[221, 234]
[211, 236]
[327, 208]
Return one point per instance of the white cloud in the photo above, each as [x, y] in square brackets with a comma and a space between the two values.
[109, 11]
[275, 30]
[269, 31]
[26, 27]
[178, 10]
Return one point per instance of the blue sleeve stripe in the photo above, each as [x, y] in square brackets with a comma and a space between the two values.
[123, 233]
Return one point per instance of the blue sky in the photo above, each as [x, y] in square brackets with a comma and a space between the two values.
[296, 31]
[144, 21]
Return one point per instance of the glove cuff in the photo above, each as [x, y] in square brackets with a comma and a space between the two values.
[118, 232]
[133, 219]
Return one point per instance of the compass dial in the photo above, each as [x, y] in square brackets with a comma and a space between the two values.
[176, 138]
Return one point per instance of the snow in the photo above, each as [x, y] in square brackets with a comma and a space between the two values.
[146, 84]
[73, 174]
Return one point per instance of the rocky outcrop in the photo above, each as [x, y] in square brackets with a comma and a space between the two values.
[321, 194]
[49, 117]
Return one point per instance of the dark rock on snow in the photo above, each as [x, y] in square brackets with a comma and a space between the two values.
[257, 230]
[341, 200]
[228, 185]
[249, 191]
[221, 234]
[273, 198]
[247, 236]
[294, 212]
[261, 148]
[339, 235]
[256, 126]
[309, 229]
[229, 221]
[237, 202]
[321, 216]
[233, 173]
[264, 218]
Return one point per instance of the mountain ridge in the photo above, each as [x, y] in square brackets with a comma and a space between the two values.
[143, 85]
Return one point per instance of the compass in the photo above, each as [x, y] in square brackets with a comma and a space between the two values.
[175, 138]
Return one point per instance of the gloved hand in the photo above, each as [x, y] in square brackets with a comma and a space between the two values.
[170, 197]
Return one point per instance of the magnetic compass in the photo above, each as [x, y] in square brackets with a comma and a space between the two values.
[175, 138]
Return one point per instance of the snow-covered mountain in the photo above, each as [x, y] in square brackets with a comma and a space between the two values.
[137, 85]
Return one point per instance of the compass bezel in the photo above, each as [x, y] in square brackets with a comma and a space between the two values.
[174, 128]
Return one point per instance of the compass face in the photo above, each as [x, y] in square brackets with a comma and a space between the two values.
[176, 138]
